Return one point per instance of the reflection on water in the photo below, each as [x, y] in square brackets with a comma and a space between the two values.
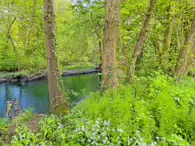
[35, 94]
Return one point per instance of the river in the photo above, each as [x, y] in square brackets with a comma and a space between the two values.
[34, 95]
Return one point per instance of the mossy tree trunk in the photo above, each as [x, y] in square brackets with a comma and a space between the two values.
[142, 38]
[186, 53]
[55, 89]
[165, 52]
[111, 30]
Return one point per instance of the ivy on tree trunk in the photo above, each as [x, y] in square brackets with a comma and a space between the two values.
[58, 104]
[111, 29]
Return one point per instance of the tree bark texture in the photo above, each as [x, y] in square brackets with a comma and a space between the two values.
[142, 38]
[111, 30]
[167, 42]
[186, 53]
[100, 54]
[55, 92]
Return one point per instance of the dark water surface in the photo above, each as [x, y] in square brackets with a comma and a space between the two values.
[35, 94]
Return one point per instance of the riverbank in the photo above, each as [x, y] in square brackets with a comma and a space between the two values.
[25, 76]
[128, 115]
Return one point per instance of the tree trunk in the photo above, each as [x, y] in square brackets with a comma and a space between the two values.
[13, 45]
[126, 62]
[142, 37]
[191, 58]
[167, 42]
[55, 90]
[100, 54]
[185, 54]
[111, 30]
[10, 24]
[16, 53]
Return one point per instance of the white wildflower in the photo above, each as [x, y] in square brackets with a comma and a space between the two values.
[120, 130]
[106, 123]
[83, 128]
[163, 138]
[60, 126]
[104, 141]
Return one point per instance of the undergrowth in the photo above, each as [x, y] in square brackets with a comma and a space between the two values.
[154, 110]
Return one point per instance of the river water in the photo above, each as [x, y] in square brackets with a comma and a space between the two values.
[34, 94]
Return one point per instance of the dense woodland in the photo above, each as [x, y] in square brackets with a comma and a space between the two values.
[144, 49]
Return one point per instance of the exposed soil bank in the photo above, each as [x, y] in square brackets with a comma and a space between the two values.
[43, 75]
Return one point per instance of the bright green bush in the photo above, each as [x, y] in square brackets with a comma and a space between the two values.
[156, 106]
[157, 110]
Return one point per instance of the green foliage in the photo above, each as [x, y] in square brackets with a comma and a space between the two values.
[157, 107]
[27, 33]
[78, 66]
[76, 39]
[3, 130]
[13, 75]
[27, 115]
[25, 138]
[192, 72]
[155, 110]
[80, 30]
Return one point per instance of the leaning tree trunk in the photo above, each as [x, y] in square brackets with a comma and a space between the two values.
[191, 58]
[10, 24]
[185, 54]
[167, 42]
[182, 66]
[111, 30]
[55, 90]
[142, 38]
[16, 53]
[191, 61]
[13, 45]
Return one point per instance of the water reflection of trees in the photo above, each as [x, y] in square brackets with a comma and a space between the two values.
[78, 87]
[11, 99]
[7, 93]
